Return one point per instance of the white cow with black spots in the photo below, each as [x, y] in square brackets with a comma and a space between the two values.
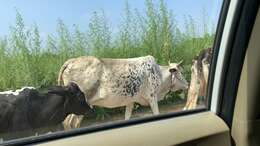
[122, 82]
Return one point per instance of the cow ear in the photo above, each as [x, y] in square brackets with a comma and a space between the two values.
[193, 60]
[179, 63]
[73, 87]
[75, 90]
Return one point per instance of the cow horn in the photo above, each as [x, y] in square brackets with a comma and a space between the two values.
[180, 63]
[169, 62]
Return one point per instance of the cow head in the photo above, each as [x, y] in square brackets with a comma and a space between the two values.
[178, 82]
[76, 100]
[73, 99]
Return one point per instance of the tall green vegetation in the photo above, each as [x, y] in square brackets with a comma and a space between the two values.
[27, 59]
[99, 33]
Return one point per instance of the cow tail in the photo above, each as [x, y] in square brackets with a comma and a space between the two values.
[63, 67]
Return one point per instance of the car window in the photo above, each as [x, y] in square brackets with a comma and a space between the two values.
[72, 64]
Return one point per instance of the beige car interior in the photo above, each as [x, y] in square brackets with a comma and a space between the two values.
[202, 129]
[162, 133]
[246, 120]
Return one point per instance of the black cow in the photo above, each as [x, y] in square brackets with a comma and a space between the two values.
[22, 114]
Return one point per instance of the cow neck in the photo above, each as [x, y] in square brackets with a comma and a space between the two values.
[166, 82]
[60, 112]
[65, 107]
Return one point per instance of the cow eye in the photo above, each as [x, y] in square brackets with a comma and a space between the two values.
[173, 70]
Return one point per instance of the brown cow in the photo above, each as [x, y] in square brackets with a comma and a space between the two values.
[199, 78]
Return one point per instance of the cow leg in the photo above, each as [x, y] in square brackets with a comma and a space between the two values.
[154, 105]
[128, 110]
